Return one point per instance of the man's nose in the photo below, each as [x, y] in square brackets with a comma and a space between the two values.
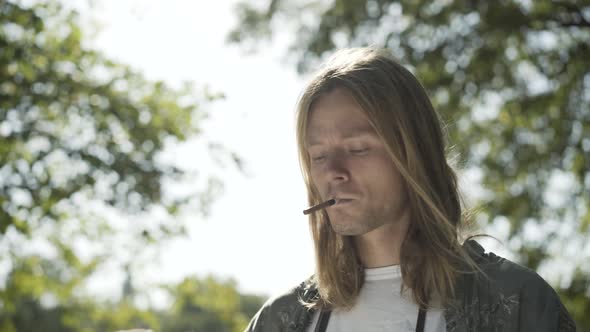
[337, 168]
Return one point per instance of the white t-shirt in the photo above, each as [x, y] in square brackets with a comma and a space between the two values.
[380, 307]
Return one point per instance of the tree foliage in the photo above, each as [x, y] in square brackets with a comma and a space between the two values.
[209, 305]
[512, 80]
[80, 141]
[198, 304]
[74, 122]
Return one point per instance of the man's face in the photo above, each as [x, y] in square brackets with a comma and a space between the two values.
[349, 162]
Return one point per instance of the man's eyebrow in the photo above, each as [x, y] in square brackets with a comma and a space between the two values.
[351, 132]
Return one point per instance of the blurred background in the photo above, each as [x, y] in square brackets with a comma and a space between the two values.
[148, 169]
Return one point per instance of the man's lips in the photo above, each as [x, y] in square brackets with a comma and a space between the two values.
[340, 201]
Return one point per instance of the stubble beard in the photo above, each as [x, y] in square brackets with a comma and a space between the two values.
[357, 225]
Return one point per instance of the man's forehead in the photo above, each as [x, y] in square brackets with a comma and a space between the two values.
[349, 129]
[315, 133]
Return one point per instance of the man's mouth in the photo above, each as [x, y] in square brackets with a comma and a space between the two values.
[340, 201]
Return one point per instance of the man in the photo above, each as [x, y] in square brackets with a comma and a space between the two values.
[388, 254]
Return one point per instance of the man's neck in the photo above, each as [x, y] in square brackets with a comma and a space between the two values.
[381, 246]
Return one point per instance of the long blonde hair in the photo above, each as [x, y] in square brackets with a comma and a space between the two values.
[401, 113]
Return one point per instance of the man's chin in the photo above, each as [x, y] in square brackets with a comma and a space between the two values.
[347, 229]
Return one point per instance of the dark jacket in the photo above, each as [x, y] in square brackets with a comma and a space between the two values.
[511, 298]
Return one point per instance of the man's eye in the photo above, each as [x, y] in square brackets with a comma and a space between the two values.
[359, 151]
[318, 158]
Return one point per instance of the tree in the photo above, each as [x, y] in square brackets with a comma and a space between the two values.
[209, 304]
[80, 138]
[511, 78]
[198, 304]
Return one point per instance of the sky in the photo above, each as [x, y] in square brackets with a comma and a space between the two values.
[256, 232]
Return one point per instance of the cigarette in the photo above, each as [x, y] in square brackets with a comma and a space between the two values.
[320, 206]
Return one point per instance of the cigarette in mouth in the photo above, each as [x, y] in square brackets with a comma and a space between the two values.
[320, 206]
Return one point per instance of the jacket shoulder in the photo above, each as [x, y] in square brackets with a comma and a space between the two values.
[285, 312]
[504, 274]
[507, 289]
